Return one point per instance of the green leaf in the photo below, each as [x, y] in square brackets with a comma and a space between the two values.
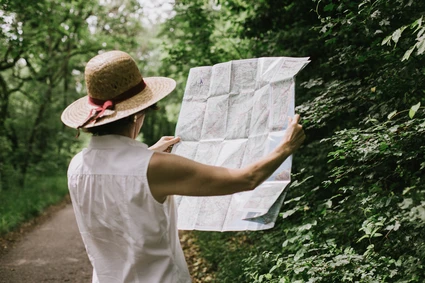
[407, 189]
[397, 225]
[420, 33]
[363, 237]
[414, 109]
[289, 213]
[392, 114]
[329, 7]
[396, 35]
[298, 270]
[407, 54]
[383, 146]
[273, 269]
[421, 46]
[386, 40]
[328, 203]
[298, 255]
[417, 24]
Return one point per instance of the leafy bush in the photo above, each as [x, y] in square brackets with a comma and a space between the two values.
[356, 210]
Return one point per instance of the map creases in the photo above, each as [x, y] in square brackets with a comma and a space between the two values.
[233, 114]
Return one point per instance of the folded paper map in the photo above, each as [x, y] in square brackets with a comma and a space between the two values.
[233, 114]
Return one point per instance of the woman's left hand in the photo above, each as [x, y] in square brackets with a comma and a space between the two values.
[165, 144]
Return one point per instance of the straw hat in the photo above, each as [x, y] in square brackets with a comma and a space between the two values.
[115, 89]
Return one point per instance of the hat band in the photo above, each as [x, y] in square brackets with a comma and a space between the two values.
[120, 97]
[98, 112]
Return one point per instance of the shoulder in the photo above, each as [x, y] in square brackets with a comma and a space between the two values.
[171, 164]
[168, 168]
[75, 163]
[159, 163]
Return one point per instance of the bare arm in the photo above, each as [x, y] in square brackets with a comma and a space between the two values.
[170, 174]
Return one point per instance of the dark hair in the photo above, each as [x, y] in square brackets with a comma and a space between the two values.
[117, 126]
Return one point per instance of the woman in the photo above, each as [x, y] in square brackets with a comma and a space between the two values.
[122, 191]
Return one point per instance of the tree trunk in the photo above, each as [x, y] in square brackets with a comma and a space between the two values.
[34, 131]
[4, 104]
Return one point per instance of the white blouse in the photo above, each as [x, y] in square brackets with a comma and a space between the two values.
[129, 236]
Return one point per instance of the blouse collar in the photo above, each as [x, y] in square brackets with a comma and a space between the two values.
[112, 141]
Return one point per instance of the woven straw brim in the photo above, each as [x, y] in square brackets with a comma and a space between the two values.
[156, 89]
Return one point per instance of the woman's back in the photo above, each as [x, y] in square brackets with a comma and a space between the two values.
[129, 236]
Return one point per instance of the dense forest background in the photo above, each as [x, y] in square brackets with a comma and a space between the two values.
[355, 211]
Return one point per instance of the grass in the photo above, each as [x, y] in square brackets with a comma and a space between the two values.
[21, 204]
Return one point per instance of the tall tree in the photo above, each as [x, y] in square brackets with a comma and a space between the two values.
[45, 44]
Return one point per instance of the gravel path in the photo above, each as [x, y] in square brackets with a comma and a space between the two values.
[52, 252]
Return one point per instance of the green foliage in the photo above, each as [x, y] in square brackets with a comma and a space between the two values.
[418, 28]
[355, 212]
[202, 33]
[21, 205]
[44, 45]
[43, 50]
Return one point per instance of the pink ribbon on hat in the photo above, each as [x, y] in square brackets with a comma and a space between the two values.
[102, 105]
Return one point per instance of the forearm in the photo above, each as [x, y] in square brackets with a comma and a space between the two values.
[260, 170]
[224, 181]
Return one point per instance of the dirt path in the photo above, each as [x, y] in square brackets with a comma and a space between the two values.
[52, 251]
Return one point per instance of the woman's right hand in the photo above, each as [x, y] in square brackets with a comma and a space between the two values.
[294, 135]
[165, 144]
